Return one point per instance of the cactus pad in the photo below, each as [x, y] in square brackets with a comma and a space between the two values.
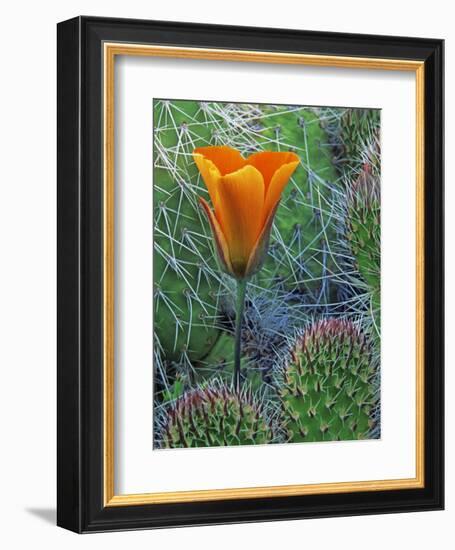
[215, 416]
[328, 390]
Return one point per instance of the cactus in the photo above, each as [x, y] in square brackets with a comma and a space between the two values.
[350, 134]
[360, 242]
[220, 360]
[215, 415]
[355, 137]
[186, 279]
[358, 129]
[323, 263]
[299, 256]
[363, 233]
[329, 384]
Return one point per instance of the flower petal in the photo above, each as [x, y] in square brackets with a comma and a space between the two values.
[277, 184]
[240, 213]
[259, 252]
[218, 237]
[268, 162]
[225, 158]
[210, 174]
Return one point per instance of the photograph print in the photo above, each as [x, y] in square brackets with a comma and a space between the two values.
[267, 254]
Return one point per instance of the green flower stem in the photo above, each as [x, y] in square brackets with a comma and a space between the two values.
[241, 291]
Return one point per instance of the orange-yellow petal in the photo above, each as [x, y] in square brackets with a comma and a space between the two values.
[210, 174]
[218, 237]
[279, 180]
[268, 162]
[259, 252]
[225, 158]
[240, 213]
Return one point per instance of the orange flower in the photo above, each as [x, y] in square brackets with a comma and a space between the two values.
[245, 194]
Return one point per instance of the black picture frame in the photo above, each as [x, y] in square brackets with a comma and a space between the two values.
[80, 474]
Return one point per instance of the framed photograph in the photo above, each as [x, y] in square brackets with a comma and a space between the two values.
[250, 274]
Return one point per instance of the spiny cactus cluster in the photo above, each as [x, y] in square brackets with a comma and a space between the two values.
[360, 242]
[216, 415]
[321, 279]
[351, 134]
[363, 233]
[328, 390]
[186, 278]
[299, 260]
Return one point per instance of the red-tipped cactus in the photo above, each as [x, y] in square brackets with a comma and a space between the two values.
[329, 384]
[216, 415]
[363, 235]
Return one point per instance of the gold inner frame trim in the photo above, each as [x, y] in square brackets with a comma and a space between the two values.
[110, 51]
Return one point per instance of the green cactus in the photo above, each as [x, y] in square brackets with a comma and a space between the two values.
[299, 258]
[185, 275]
[219, 361]
[363, 234]
[351, 135]
[215, 415]
[357, 125]
[329, 384]
[355, 136]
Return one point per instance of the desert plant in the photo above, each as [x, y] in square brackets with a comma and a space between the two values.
[363, 236]
[328, 389]
[324, 255]
[215, 415]
[300, 258]
[351, 132]
[187, 283]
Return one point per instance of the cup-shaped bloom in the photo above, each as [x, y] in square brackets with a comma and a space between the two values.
[245, 194]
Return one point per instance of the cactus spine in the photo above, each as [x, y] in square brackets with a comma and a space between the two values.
[363, 233]
[216, 415]
[186, 279]
[328, 390]
[298, 258]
